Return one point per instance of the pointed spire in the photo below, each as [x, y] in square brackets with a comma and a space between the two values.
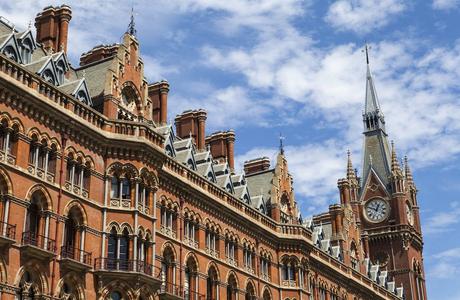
[372, 102]
[407, 172]
[350, 170]
[132, 25]
[395, 167]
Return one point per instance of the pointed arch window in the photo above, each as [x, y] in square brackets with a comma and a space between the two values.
[60, 71]
[11, 53]
[211, 284]
[49, 77]
[26, 51]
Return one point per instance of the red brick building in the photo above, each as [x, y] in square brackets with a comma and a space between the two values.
[102, 199]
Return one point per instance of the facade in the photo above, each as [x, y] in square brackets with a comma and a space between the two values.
[101, 198]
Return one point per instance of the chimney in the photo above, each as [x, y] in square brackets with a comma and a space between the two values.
[222, 144]
[192, 122]
[256, 165]
[158, 94]
[53, 27]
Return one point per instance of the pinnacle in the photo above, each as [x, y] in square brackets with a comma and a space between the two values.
[407, 171]
[395, 167]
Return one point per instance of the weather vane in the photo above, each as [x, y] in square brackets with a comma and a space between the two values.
[366, 50]
[132, 25]
[281, 143]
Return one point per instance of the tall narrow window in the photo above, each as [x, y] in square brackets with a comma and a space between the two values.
[115, 188]
[124, 250]
[112, 253]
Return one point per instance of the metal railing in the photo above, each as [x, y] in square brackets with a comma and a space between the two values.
[38, 240]
[76, 254]
[7, 230]
[179, 291]
[127, 265]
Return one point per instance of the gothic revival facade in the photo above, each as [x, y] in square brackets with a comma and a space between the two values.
[101, 198]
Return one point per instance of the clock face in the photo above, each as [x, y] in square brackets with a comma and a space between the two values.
[410, 216]
[377, 210]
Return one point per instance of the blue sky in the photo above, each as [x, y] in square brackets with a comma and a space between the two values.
[263, 67]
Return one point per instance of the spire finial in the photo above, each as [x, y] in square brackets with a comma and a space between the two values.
[394, 159]
[30, 25]
[366, 50]
[281, 144]
[132, 25]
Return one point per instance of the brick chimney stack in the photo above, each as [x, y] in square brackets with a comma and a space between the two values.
[256, 165]
[192, 122]
[222, 144]
[158, 94]
[53, 27]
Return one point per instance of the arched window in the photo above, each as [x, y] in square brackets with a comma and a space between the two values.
[230, 250]
[168, 221]
[232, 288]
[191, 279]
[265, 267]
[74, 236]
[354, 256]
[36, 233]
[49, 77]
[60, 71]
[267, 295]
[26, 51]
[289, 272]
[115, 187]
[167, 270]
[191, 232]
[82, 97]
[211, 284]
[250, 292]
[248, 258]
[28, 287]
[212, 242]
[11, 53]
[124, 250]
[112, 253]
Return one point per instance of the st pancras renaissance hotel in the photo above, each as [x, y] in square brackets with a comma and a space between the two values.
[102, 198]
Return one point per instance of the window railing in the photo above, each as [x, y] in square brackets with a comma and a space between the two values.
[76, 254]
[38, 240]
[212, 252]
[191, 242]
[112, 264]
[288, 283]
[168, 231]
[11, 159]
[266, 277]
[232, 261]
[179, 291]
[7, 230]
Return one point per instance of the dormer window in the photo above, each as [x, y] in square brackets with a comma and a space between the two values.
[10, 53]
[49, 77]
[60, 70]
[26, 51]
[81, 96]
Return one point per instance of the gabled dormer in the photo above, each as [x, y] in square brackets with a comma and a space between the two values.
[10, 48]
[79, 90]
[48, 72]
[27, 45]
[61, 65]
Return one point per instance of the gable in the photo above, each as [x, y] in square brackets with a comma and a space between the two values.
[10, 48]
[373, 187]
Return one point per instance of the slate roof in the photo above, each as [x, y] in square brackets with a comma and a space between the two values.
[95, 76]
[261, 184]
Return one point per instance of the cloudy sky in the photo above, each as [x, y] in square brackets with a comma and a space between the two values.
[265, 67]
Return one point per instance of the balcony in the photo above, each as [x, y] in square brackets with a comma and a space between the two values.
[170, 291]
[75, 259]
[37, 246]
[7, 234]
[128, 269]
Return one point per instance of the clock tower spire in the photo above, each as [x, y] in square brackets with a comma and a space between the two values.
[387, 206]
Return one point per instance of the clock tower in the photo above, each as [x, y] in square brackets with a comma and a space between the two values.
[386, 208]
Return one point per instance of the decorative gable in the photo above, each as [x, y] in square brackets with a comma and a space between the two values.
[10, 48]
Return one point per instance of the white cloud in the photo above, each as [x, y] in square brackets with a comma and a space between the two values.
[444, 221]
[315, 168]
[227, 108]
[363, 16]
[445, 4]
[445, 264]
